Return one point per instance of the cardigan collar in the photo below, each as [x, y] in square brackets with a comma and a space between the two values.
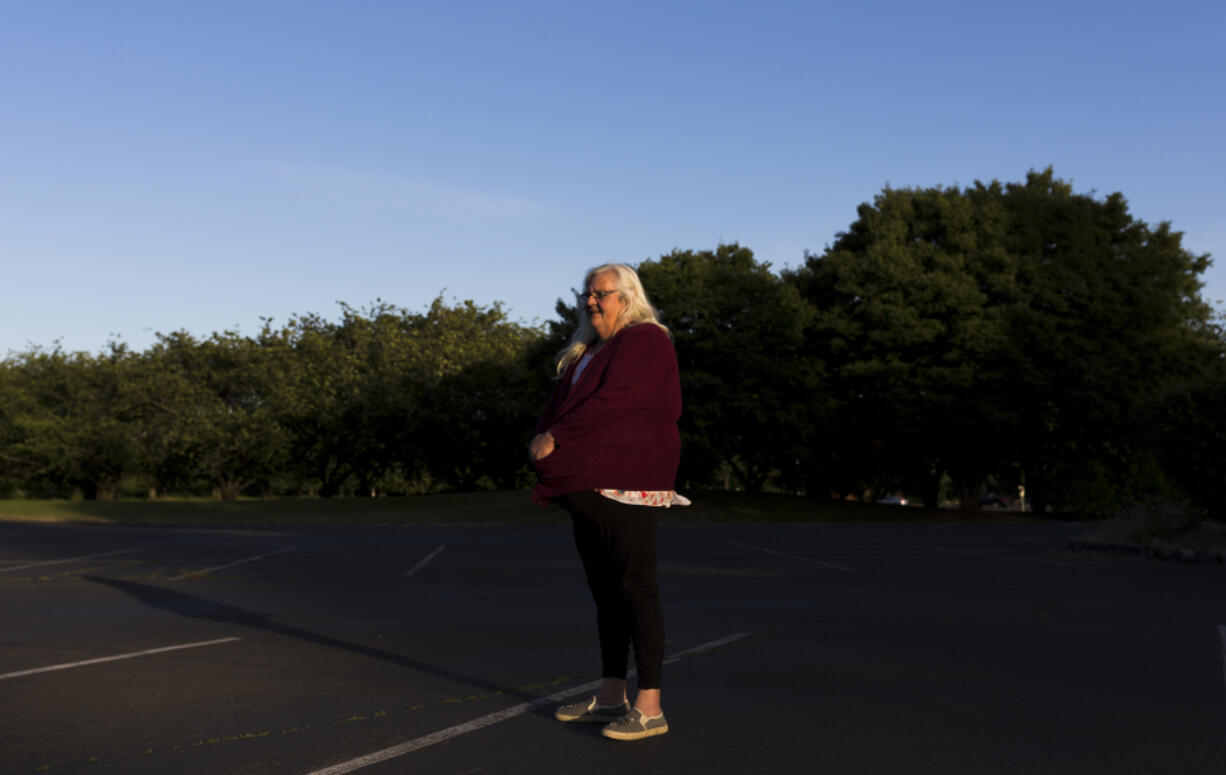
[599, 354]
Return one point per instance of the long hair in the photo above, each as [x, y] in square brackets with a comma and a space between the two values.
[637, 310]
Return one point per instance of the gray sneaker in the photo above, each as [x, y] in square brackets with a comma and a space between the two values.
[635, 726]
[588, 710]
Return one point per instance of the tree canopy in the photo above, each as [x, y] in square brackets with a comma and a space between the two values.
[1015, 336]
[1015, 332]
[383, 400]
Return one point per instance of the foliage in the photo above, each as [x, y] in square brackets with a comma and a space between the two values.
[952, 339]
[1017, 331]
[738, 330]
[1183, 426]
[1110, 318]
[66, 421]
[908, 320]
[382, 398]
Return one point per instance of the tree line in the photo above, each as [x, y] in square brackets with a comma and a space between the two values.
[949, 342]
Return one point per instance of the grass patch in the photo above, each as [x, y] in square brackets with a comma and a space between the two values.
[508, 507]
[461, 508]
[1161, 524]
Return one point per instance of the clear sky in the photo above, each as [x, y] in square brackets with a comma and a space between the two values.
[171, 164]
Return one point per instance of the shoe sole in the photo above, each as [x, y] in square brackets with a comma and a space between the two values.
[586, 718]
[613, 735]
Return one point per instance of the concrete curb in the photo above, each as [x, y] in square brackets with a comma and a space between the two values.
[1169, 554]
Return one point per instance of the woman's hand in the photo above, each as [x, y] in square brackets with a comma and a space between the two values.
[540, 446]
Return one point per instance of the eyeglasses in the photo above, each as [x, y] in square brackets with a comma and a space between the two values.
[600, 295]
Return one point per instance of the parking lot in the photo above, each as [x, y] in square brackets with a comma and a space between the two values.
[794, 648]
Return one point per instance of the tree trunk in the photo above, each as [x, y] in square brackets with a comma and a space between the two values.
[970, 501]
[931, 490]
[1037, 493]
[99, 490]
[967, 482]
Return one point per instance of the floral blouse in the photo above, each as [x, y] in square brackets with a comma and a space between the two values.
[663, 498]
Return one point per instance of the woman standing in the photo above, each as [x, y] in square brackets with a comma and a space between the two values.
[607, 449]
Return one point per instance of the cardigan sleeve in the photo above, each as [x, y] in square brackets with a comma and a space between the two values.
[629, 381]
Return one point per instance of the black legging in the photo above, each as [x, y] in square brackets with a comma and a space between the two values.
[617, 543]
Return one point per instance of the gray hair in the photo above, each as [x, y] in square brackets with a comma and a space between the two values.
[637, 310]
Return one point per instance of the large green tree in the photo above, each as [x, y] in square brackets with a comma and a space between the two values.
[738, 329]
[1005, 331]
[346, 396]
[479, 401]
[908, 319]
[244, 442]
[1109, 316]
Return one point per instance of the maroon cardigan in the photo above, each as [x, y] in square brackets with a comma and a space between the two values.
[616, 428]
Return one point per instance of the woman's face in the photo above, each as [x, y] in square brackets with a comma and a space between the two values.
[604, 313]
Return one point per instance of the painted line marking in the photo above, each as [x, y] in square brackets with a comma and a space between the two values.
[948, 550]
[708, 646]
[493, 718]
[194, 573]
[70, 559]
[146, 652]
[422, 563]
[792, 556]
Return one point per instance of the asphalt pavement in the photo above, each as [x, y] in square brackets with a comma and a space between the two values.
[795, 648]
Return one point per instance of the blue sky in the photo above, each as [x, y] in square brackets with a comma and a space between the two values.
[188, 165]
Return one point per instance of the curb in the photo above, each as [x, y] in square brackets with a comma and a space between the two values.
[1152, 552]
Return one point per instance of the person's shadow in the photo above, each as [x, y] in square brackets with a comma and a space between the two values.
[194, 607]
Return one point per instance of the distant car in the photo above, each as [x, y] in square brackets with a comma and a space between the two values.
[893, 500]
[992, 499]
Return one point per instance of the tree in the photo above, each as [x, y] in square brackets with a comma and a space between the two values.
[231, 431]
[1003, 328]
[1110, 315]
[738, 329]
[478, 417]
[71, 427]
[170, 427]
[348, 396]
[1183, 426]
[392, 398]
[908, 321]
[17, 466]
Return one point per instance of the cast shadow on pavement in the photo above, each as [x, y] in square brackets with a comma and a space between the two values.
[202, 608]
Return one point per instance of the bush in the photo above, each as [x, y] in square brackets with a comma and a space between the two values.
[1158, 519]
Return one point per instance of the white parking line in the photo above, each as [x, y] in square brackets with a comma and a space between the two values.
[146, 652]
[70, 559]
[422, 563]
[948, 550]
[792, 556]
[494, 718]
[708, 646]
[194, 573]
